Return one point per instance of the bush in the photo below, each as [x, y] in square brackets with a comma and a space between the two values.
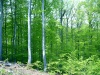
[37, 65]
[4, 72]
[74, 66]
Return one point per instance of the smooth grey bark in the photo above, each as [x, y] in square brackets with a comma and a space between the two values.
[29, 32]
[1, 23]
[15, 30]
[43, 37]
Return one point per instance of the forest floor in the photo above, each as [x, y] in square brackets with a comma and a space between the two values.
[16, 69]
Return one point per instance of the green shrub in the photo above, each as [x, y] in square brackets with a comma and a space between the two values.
[37, 65]
[4, 72]
[70, 65]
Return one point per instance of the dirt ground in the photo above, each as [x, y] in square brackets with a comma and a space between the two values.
[16, 69]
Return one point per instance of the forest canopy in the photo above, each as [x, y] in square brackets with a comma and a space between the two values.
[51, 33]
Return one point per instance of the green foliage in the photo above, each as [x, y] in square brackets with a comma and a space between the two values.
[5, 72]
[37, 65]
[6, 60]
[70, 46]
[29, 66]
[74, 66]
[2, 71]
[18, 62]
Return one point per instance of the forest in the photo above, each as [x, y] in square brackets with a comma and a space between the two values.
[56, 36]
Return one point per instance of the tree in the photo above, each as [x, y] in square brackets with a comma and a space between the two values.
[1, 23]
[70, 28]
[29, 32]
[43, 37]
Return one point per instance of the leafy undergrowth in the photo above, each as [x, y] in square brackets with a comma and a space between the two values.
[70, 65]
[16, 69]
[67, 64]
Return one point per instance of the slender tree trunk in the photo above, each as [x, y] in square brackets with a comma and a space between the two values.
[29, 32]
[78, 40]
[21, 40]
[61, 21]
[6, 41]
[12, 19]
[1, 23]
[18, 42]
[90, 31]
[5, 30]
[62, 13]
[14, 35]
[43, 37]
[72, 33]
[97, 31]
[66, 45]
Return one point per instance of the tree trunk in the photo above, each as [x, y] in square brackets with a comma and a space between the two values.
[12, 39]
[5, 31]
[1, 23]
[43, 37]
[29, 32]
[14, 35]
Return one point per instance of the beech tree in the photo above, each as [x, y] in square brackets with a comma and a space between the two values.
[1, 23]
[29, 32]
[55, 29]
[43, 37]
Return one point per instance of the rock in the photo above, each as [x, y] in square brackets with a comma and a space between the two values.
[7, 64]
[10, 71]
[1, 62]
